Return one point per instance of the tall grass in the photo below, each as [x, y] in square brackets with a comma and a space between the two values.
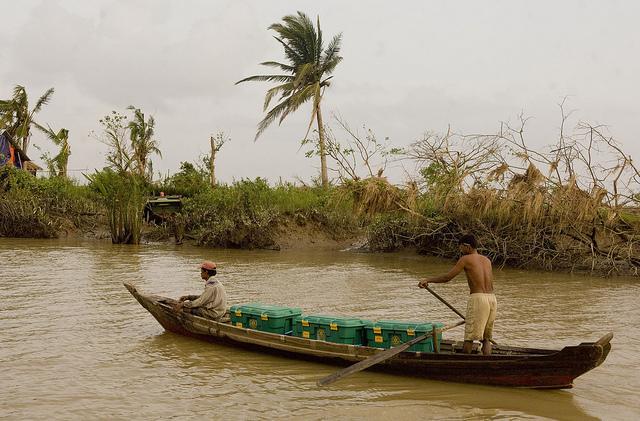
[251, 214]
[123, 195]
[23, 215]
[42, 208]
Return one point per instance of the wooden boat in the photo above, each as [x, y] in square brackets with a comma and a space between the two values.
[506, 366]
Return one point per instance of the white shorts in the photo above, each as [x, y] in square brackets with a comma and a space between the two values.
[481, 313]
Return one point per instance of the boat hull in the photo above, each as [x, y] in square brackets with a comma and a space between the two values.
[507, 366]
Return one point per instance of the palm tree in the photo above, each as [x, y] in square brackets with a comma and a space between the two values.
[306, 75]
[58, 164]
[17, 117]
[142, 142]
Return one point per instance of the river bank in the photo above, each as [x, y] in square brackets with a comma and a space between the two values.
[290, 236]
[562, 230]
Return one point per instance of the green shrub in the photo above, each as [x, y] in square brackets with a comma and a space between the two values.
[37, 207]
[123, 195]
[22, 214]
[249, 213]
[187, 182]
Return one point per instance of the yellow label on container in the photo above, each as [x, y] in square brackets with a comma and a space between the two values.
[411, 332]
[377, 329]
[305, 334]
[238, 313]
[333, 326]
[238, 324]
[264, 317]
[253, 323]
[379, 339]
[305, 322]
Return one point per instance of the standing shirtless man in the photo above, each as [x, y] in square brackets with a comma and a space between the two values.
[482, 305]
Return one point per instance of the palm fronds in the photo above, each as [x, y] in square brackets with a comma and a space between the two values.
[143, 145]
[305, 73]
[17, 118]
[57, 164]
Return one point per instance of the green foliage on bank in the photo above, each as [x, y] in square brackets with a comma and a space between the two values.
[243, 214]
[123, 195]
[187, 182]
[251, 214]
[43, 207]
[523, 225]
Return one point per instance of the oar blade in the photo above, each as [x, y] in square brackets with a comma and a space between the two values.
[364, 364]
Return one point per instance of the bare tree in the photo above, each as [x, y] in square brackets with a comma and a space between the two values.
[574, 204]
[358, 156]
[216, 143]
[114, 136]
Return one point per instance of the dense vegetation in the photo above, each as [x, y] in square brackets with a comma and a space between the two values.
[575, 207]
[529, 223]
[250, 213]
[44, 207]
[245, 214]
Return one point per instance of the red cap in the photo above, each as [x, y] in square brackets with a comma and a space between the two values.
[208, 265]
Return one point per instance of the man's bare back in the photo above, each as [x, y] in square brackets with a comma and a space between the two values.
[477, 268]
[479, 273]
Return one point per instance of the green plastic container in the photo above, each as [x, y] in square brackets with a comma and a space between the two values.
[264, 317]
[330, 328]
[390, 333]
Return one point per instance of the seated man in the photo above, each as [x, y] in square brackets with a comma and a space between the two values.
[212, 303]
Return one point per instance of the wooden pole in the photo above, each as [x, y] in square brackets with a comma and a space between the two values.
[445, 302]
[212, 162]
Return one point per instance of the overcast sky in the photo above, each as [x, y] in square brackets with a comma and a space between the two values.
[408, 67]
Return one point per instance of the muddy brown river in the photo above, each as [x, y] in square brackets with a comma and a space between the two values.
[74, 344]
